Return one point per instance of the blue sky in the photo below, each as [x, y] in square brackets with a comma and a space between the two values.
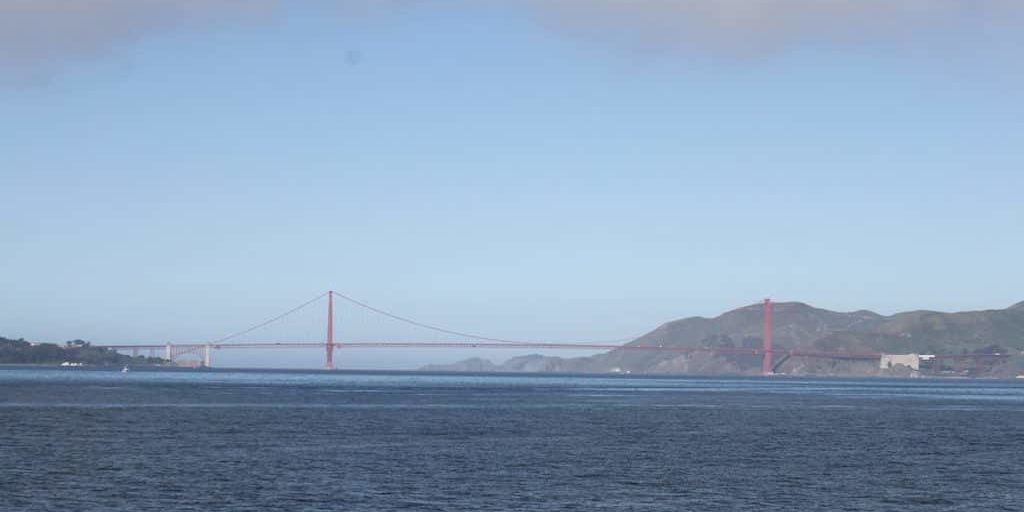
[569, 172]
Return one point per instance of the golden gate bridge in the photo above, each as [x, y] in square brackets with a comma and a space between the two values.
[771, 358]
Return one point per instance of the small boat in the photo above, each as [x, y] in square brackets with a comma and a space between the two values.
[124, 370]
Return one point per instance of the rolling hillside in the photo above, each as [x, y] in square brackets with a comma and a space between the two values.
[797, 326]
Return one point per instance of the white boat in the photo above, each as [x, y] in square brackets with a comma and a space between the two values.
[124, 370]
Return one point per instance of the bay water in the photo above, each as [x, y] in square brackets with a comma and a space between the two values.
[74, 439]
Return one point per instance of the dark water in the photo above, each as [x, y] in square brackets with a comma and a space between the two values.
[81, 440]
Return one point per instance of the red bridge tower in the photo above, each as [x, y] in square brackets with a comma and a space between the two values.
[329, 361]
[766, 339]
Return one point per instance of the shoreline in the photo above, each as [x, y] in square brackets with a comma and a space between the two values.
[320, 371]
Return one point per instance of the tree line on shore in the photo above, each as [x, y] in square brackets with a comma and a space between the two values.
[19, 351]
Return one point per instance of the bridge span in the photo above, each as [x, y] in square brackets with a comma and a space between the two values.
[771, 357]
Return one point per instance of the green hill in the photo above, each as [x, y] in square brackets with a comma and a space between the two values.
[798, 326]
[23, 352]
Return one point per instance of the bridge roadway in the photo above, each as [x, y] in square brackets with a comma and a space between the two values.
[771, 357]
[191, 347]
[174, 350]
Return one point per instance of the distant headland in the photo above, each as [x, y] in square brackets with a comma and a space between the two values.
[75, 352]
[807, 341]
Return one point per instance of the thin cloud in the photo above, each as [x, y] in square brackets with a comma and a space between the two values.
[39, 36]
[756, 27]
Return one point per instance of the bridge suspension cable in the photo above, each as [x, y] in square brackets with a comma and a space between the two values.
[272, 320]
[435, 328]
[402, 319]
[418, 323]
[766, 351]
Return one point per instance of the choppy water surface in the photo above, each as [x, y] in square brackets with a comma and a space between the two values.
[90, 440]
